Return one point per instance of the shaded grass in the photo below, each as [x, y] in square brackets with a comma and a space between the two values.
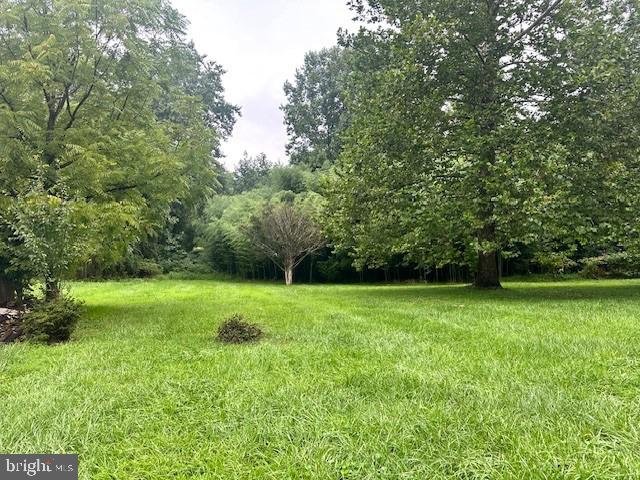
[352, 382]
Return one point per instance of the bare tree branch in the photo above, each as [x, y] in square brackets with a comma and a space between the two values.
[475, 49]
[555, 4]
[287, 235]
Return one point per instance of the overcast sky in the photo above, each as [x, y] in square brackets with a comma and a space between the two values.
[261, 43]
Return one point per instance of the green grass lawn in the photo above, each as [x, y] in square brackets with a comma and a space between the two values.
[540, 380]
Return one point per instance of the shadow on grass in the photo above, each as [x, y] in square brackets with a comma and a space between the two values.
[166, 307]
[535, 292]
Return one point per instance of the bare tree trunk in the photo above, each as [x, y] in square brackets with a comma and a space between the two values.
[288, 275]
[51, 289]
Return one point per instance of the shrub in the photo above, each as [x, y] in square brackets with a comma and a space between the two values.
[236, 330]
[615, 265]
[592, 268]
[147, 268]
[53, 321]
[188, 264]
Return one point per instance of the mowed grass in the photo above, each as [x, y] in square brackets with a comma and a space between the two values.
[541, 380]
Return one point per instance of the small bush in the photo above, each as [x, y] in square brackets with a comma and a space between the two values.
[52, 322]
[188, 264]
[592, 268]
[147, 269]
[237, 330]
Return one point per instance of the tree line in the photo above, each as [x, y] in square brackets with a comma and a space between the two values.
[440, 141]
[477, 132]
[480, 137]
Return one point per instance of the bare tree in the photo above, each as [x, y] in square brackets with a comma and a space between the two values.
[287, 235]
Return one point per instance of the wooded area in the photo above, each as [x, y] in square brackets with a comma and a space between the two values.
[440, 141]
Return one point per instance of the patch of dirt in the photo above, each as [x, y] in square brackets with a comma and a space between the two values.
[10, 325]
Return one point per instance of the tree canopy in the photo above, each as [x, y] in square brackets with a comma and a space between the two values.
[107, 116]
[251, 172]
[440, 136]
[479, 127]
[315, 113]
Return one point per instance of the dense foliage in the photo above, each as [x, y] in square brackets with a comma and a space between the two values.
[483, 129]
[442, 141]
[223, 241]
[224, 230]
[108, 118]
[315, 113]
[52, 321]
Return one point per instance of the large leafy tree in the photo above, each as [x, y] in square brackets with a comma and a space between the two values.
[315, 114]
[107, 116]
[251, 172]
[483, 125]
[188, 72]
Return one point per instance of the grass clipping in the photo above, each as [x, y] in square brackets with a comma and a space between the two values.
[236, 330]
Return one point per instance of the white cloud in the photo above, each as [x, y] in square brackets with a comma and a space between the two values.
[260, 43]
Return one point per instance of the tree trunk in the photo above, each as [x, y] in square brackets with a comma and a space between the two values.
[488, 118]
[487, 275]
[288, 275]
[51, 289]
[488, 268]
[7, 292]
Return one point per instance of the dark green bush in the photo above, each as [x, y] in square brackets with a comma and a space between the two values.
[592, 268]
[147, 269]
[53, 321]
[614, 265]
[187, 264]
[236, 330]
[131, 266]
